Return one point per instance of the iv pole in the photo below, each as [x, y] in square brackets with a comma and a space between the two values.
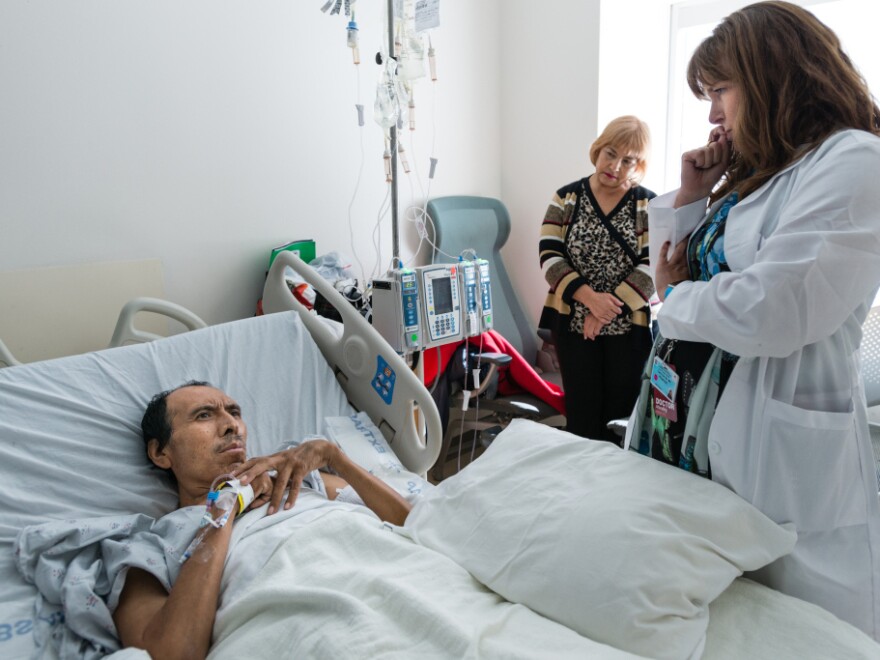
[395, 241]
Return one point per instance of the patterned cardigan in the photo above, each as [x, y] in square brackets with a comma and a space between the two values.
[634, 291]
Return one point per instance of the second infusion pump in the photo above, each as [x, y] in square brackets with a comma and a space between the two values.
[440, 305]
[454, 301]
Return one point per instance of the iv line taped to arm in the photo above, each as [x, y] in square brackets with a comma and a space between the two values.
[226, 497]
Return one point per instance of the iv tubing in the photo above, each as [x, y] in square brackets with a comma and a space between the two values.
[207, 521]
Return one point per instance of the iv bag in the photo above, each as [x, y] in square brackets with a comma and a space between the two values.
[386, 109]
[403, 97]
[411, 68]
[412, 58]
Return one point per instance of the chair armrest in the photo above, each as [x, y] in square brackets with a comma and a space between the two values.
[618, 426]
[495, 359]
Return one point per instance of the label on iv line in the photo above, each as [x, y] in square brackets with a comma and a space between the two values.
[476, 374]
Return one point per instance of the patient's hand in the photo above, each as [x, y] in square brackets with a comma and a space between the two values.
[262, 485]
[291, 465]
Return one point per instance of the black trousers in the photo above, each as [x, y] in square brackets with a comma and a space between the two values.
[601, 379]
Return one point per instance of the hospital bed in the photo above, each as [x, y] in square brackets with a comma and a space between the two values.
[339, 583]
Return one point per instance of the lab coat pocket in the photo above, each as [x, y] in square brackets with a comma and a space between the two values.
[808, 471]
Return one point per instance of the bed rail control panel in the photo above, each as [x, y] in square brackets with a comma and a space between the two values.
[396, 309]
[383, 381]
[441, 311]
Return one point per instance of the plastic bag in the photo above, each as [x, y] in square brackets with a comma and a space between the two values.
[336, 270]
[332, 267]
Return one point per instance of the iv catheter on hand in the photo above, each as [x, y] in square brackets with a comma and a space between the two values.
[235, 496]
[226, 497]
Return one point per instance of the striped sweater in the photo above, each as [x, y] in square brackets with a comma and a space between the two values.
[577, 247]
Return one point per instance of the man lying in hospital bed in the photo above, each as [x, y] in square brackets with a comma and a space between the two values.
[349, 587]
[547, 545]
[198, 433]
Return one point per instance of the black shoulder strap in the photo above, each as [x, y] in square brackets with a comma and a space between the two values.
[613, 232]
[621, 241]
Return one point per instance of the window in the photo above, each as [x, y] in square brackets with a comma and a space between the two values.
[687, 122]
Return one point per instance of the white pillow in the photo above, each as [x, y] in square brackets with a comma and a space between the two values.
[617, 546]
[358, 437]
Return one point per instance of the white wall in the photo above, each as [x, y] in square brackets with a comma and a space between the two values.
[203, 132]
[549, 73]
[556, 56]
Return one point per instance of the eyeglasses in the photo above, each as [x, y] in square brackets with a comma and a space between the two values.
[626, 162]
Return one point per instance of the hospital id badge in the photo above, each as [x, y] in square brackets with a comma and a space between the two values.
[663, 407]
[664, 379]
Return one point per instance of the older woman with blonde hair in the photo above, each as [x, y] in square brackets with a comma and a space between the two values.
[594, 254]
[764, 303]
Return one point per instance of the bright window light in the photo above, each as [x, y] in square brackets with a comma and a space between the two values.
[688, 118]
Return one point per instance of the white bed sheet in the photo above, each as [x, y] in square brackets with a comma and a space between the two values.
[70, 441]
[749, 620]
[347, 587]
[332, 581]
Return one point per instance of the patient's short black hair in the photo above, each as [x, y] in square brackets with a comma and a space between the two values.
[155, 423]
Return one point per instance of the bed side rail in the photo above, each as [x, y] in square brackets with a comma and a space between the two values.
[125, 331]
[6, 357]
[375, 378]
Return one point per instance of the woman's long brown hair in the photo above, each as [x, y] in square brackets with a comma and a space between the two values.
[797, 87]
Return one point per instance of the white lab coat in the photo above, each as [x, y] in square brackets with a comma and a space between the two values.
[790, 433]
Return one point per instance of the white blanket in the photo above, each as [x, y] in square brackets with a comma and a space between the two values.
[329, 580]
[347, 586]
[752, 621]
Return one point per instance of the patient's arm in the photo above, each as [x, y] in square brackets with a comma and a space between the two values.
[179, 624]
[292, 466]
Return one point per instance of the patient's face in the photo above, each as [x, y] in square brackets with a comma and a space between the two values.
[208, 439]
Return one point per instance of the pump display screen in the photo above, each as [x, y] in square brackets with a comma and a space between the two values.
[442, 295]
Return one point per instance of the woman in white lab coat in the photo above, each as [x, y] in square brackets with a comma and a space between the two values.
[778, 276]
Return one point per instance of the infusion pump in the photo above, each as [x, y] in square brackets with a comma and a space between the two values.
[427, 306]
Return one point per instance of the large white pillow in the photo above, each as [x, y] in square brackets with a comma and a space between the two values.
[620, 547]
